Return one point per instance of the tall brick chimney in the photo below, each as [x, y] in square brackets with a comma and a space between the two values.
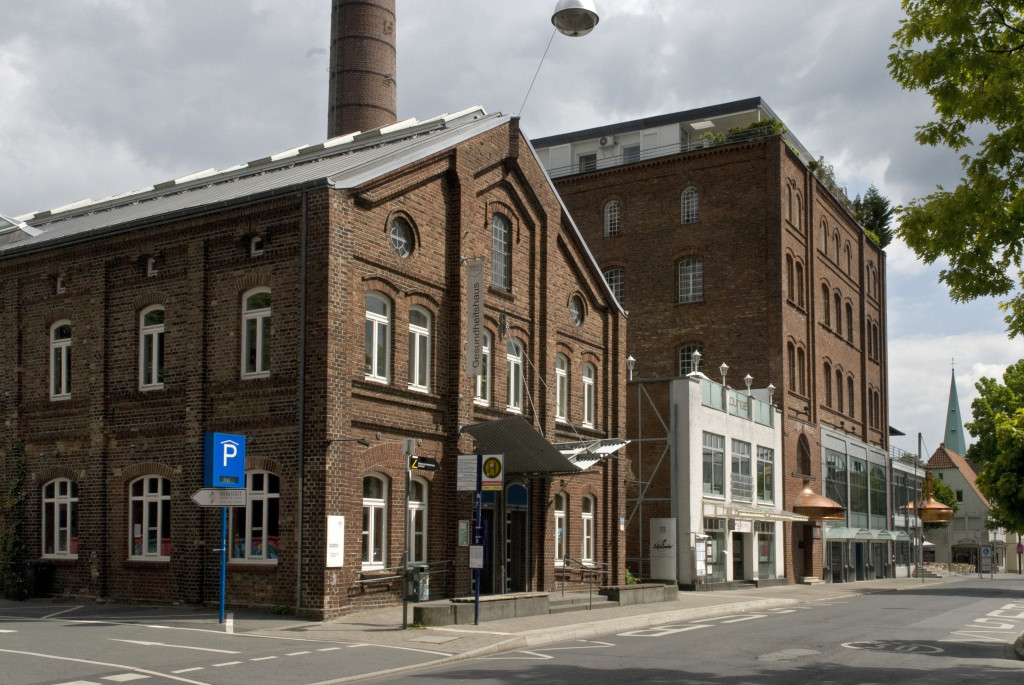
[363, 57]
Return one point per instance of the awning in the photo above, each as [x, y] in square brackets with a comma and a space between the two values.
[718, 510]
[586, 453]
[526, 451]
[850, 534]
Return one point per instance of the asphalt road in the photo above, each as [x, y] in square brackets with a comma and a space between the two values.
[956, 633]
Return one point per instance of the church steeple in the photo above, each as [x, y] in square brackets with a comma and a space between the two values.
[954, 439]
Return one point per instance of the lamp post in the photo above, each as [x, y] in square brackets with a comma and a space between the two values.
[575, 18]
[748, 379]
[723, 369]
[695, 360]
[771, 393]
[630, 363]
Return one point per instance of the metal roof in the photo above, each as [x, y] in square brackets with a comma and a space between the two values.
[526, 451]
[343, 162]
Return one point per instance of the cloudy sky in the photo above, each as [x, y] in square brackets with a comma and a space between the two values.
[106, 96]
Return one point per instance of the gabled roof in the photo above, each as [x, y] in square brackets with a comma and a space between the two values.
[343, 162]
[945, 458]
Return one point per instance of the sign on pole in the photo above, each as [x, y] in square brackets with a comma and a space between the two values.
[223, 460]
[423, 463]
[220, 497]
[465, 475]
[474, 317]
[492, 472]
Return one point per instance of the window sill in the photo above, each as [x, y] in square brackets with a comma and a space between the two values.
[149, 560]
[480, 402]
[59, 557]
[253, 563]
[59, 398]
[150, 388]
[255, 376]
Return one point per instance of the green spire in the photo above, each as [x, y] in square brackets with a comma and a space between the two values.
[954, 439]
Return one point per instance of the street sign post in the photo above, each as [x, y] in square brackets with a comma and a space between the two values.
[219, 497]
[422, 463]
[223, 467]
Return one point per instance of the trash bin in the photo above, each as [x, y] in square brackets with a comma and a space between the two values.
[38, 578]
[420, 583]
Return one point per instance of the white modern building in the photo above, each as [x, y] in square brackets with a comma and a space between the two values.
[727, 485]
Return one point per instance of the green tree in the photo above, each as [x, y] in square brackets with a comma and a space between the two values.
[969, 57]
[1002, 479]
[994, 399]
[942, 493]
[874, 212]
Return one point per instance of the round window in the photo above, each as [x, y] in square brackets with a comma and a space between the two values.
[401, 237]
[576, 310]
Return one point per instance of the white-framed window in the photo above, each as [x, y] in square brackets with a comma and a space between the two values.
[419, 349]
[742, 479]
[514, 375]
[691, 280]
[60, 518]
[611, 218]
[482, 391]
[378, 339]
[256, 333]
[714, 464]
[688, 206]
[561, 387]
[614, 279]
[686, 358]
[418, 489]
[589, 374]
[151, 348]
[375, 508]
[60, 360]
[560, 505]
[765, 474]
[255, 532]
[501, 251]
[587, 529]
[256, 246]
[149, 518]
[151, 269]
[60, 285]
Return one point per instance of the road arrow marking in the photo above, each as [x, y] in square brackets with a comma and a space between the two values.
[164, 644]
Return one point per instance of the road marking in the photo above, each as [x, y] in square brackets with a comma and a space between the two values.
[188, 670]
[328, 649]
[125, 677]
[296, 653]
[751, 617]
[893, 646]
[227, 663]
[8, 631]
[100, 663]
[58, 613]
[143, 643]
[661, 631]
[263, 658]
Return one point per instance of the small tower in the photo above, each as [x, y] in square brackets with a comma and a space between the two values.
[954, 439]
[363, 59]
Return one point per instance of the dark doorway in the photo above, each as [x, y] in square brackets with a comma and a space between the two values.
[516, 538]
[737, 556]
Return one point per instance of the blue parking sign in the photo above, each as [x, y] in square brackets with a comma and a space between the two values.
[223, 460]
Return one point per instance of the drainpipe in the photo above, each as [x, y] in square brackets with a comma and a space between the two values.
[302, 411]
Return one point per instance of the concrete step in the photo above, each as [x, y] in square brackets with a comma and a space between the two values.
[567, 604]
[811, 580]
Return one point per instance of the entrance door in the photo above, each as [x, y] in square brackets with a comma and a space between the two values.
[517, 577]
[836, 562]
[858, 549]
[737, 556]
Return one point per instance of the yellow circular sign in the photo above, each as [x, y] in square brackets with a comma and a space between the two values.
[492, 467]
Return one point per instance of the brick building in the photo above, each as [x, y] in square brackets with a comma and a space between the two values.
[313, 301]
[716, 236]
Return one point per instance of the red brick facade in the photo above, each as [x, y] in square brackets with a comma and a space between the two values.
[323, 250]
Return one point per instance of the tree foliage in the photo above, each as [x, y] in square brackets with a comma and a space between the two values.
[1002, 479]
[12, 523]
[969, 57]
[874, 212]
[993, 400]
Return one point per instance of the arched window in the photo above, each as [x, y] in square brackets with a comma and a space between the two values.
[482, 393]
[514, 375]
[587, 507]
[791, 358]
[149, 518]
[849, 259]
[790, 283]
[688, 206]
[803, 456]
[561, 500]
[686, 365]
[828, 384]
[800, 284]
[801, 363]
[589, 394]
[561, 387]
[826, 310]
[419, 349]
[611, 218]
[377, 347]
[60, 360]
[256, 333]
[375, 520]
[837, 240]
[614, 279]
[789, 204]
[691, 280]
[151, 348]
[838, 311]
[501, 251]
[849, 322]
[418, 489]
[849, 395]
[799, 213]
[824, 236]
[254, 528]
[839, 390]
[60, 518]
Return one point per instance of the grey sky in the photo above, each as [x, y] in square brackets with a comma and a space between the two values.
[106, 96]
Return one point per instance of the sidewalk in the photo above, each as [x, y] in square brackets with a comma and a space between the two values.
[452, 643]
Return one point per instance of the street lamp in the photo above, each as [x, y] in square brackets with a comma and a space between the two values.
[771, 393]
[723, 369]
[695, 359]
[748, 379]
[575, 18]
[630, 363]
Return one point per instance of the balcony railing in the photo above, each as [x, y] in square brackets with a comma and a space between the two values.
[717, 396]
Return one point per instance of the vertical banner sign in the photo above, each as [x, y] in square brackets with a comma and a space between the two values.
[474, 317]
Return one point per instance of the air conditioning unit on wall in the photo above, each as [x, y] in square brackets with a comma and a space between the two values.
[606, 141]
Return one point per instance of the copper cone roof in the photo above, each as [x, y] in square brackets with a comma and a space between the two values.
[818, 507]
